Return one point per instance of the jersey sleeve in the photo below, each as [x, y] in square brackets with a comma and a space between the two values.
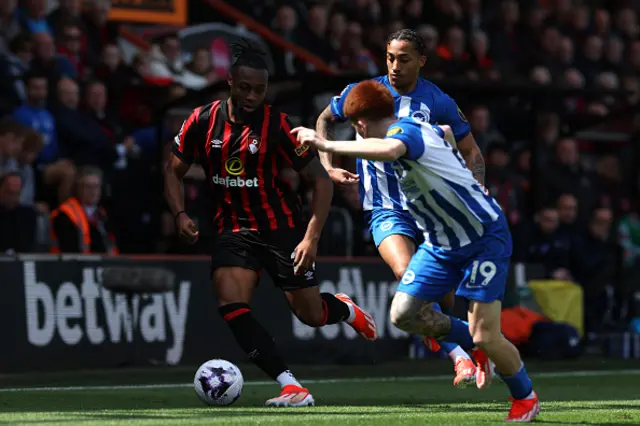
[294, 153]
[450, 114]
[337, 103]
[185, 144]
[409, 133]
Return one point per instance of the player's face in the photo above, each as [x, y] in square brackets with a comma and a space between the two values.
[403, 63]
[248, 88]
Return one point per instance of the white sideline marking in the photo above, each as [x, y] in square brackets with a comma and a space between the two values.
[550, 375]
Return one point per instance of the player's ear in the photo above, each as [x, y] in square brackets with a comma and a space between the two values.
[423, 60]
[230, 79]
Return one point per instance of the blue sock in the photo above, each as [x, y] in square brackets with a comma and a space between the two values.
[447, 347]
[459, 334]
[519, 384]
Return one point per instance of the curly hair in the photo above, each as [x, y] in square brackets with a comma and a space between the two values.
[369, 100]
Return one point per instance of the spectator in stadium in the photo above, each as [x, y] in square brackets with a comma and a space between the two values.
[601, 23]
[14, 64]
[98, 30]
[541, 244]
[627, 24]
[80, 224]
[481, 64]
[454, 57]
[366, 12]
[17, 222]
[431, 68]
[68, 12]
[614, 55]
[11, 140]
[335, 32]
[166, 62]
[608, 185]
[86, 144]
[590, 61]
[48, 63]
[566, 175]
[70, 47]
[594, 266]
[565, 55]
[506, 35]
[31, 147]
[354, 56]
[9, 25]
[483, 132]
[541, 76]
[413, 13]
[114, 73]
[392, 10]
[316, 40]
[33, 17]
[522, 182]
[286, 25]
[567, 206]
[446, 14]
[499, 180]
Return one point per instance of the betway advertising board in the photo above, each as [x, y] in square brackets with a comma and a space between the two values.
[57, 315]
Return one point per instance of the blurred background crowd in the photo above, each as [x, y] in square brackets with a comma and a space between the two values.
[550, 88]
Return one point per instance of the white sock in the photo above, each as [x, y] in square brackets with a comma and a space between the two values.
[352, 313]
[458, 353]
[286, 378]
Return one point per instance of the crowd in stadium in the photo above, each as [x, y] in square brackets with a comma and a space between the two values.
[73, 111]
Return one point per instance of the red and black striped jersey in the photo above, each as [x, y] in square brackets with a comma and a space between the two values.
[243, 162]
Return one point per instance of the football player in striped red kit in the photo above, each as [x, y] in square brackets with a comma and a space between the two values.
[243, 144]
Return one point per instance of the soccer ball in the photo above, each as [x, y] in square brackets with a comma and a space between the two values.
[218, 382]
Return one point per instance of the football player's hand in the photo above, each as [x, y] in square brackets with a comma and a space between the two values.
[304, 256]
[307, 136]
[187, 229]
[343, 177]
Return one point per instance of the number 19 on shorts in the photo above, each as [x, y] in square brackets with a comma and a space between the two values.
[482, 272]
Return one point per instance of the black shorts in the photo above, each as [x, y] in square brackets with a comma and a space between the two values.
[271, 250]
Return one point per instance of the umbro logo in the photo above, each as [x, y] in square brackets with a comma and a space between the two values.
[216, 143]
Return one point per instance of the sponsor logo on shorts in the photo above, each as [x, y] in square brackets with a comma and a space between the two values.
[408, 277]
[301, 150]
[386, 225]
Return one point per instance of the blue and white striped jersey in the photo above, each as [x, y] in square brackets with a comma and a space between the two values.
[379, 188]
[444, 198]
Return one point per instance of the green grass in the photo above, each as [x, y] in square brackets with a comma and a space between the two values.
[602, 398]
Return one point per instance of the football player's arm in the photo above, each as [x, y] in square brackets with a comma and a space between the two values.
[305, 161]
[184, 153]
[326, 128]
[369, 149]
[466, 143]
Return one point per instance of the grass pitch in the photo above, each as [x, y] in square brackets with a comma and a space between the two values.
[163, 397]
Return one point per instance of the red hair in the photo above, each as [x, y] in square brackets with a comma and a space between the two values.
[369, 100]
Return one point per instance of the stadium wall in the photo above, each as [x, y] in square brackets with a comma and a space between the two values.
[57, 315]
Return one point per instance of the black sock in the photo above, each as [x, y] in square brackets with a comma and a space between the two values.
[335, 309]
[253, 338]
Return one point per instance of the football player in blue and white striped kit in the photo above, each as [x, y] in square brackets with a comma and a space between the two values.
[467, 244]
[394, 231]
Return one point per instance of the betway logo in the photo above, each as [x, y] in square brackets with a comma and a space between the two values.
[374, 297]
[73, 313]
[237, 181]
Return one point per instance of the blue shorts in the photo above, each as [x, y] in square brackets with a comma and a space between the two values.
[385, 222]
[478, 270]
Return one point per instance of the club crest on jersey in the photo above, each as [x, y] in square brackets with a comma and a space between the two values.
[394, 131]
[300, 150]
[234, 166]
[422, 116]
[254, 144]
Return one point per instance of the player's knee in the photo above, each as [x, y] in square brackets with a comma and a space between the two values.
[402, 316]
[484, 337]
